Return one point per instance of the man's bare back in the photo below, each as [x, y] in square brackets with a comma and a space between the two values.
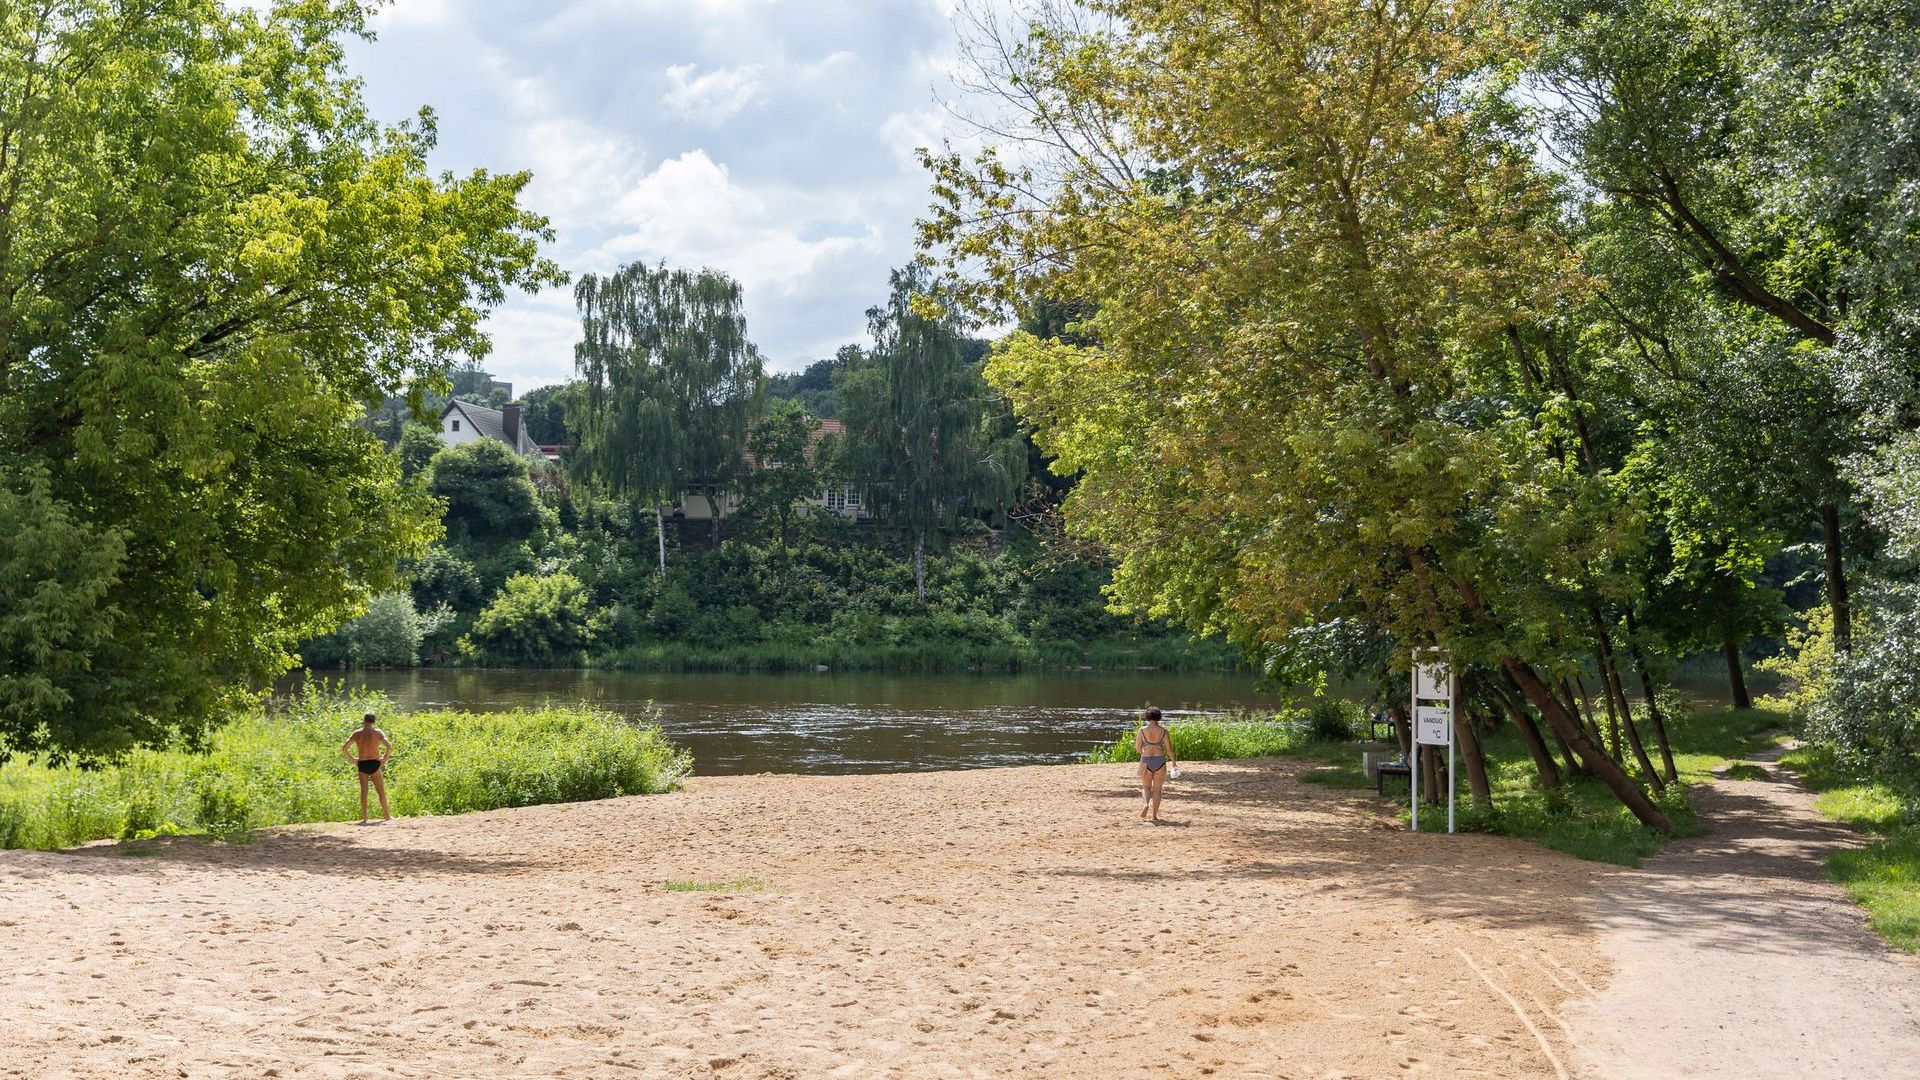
[369, 749]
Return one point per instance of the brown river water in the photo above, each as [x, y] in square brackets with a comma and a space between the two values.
[844, 723]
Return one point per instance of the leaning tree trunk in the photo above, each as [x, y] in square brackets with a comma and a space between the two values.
[1653, 699]
[1836, 579]
[1738, 678]
[1543, 762]
[1617, 700]
[1596, 760]
[1402, 729]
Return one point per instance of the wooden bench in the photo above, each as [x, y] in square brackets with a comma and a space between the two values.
[1386, 768]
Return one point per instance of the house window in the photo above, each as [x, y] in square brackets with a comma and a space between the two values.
[853, 499]
[836, 500]
[456, 425]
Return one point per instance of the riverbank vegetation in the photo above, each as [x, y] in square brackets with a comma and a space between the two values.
[1883, 875]
[1581, 817]
[283, 767]
[1492, 328]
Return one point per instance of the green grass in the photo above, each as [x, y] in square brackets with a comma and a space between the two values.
[1883, 876]
[284, 768]
[1582, 818]
[741, 885]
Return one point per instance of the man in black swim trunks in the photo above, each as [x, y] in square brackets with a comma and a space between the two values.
[369, 749]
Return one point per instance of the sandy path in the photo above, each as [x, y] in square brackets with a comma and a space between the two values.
[961, 924]
[1736, 957]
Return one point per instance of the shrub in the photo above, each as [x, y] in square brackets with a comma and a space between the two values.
[284, 767]
[535, 620]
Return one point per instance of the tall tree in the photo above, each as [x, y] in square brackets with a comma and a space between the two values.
[926, 441]
[783, 470]
[669, 381]
[211, 259]
[1303, 230]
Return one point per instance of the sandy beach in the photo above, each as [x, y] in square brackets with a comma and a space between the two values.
[958, 924]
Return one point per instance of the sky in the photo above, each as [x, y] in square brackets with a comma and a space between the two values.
[770, 139]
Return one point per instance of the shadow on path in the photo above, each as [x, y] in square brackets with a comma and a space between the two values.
[1736, 957]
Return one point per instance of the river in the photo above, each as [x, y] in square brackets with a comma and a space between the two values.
[833, 723]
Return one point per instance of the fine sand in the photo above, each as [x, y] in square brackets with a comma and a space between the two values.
[995, 923]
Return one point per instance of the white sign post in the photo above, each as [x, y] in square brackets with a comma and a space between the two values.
[1433, 694]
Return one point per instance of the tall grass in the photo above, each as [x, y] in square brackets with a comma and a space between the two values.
[1295, 732]
[284, 767]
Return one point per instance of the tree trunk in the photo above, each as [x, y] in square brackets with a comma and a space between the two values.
[1543, 762]
[713, 506]
[1476, 766]
[920, 567]
[660, 523]
[1836, 580]
[1653, 699]
[1402, 729]
[1617, 698]
[1603, 767]
[1736, 677]
[1580, 707]
[1431, 764]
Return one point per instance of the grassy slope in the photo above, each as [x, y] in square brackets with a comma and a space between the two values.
[286, 768]
[1884, 876]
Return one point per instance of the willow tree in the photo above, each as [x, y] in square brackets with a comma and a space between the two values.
[211, 259]
[1305, 229]
[924, 436]
[668, 385]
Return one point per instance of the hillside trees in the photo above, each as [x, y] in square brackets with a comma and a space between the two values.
[925, 441]
[211, 258]
[669, 382]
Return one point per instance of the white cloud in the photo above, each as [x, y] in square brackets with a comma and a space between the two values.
[691, 212]
[770, 140]
[714, 98]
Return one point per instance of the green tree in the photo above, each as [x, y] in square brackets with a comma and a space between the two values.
[489, 497]
[544, 412]
[540, 620]
[210, 258]
[783, 471]
[418, 445]
[1303, 231]
[669, 382]
[926, 440]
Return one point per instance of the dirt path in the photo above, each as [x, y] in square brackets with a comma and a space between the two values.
[1736, 957]
[966, 924]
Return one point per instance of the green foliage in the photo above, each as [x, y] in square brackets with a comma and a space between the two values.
[284, 767]
[783, 468]
[1211, 740]
[535, 620]
[544, 412]
[668, 381]
[924, 442]
[489, 495]
[418, 445]
[213, 257]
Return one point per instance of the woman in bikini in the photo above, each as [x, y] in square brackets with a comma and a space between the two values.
[1155, 746]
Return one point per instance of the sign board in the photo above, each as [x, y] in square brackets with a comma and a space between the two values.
[1432, 725]
[1432, 682]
